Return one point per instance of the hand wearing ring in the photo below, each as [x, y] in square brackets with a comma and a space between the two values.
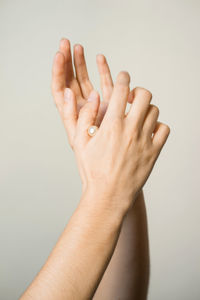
[127, 145]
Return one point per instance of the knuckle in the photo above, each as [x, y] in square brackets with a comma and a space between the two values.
[135, 134]
[147, 154]
[85, 110]
[115, 124]
[132, 129]
[88, 110]
[116, 121]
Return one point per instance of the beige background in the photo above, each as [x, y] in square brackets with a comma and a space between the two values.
[158, 42]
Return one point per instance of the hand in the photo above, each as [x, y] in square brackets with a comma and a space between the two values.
[63, 77]
[117, 161]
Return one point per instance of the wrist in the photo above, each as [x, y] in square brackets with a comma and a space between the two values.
[104, 201]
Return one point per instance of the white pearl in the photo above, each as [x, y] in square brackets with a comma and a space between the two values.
[91, 130]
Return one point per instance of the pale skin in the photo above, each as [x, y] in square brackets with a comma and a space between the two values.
[113, 165]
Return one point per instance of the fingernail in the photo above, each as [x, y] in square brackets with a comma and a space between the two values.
[67, 94]
[92, 96]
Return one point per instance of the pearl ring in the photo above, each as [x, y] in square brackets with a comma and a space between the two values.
[92, 130]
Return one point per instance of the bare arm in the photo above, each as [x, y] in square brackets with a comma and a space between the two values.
[127, 274]
[79, 259]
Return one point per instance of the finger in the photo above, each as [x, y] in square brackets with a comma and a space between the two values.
[58, 73]
[101, 113]
[161, 134]
[70, 79]
[87, 116]
[70, 114]
[130, 100]
[105, 77]
[65, 48]
[150, 120]
[81, 71]
[58, 79]
[131, 96]
[118, 101]
[140, 106]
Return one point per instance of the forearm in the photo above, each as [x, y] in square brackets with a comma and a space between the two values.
[80, 257]
[127, 274]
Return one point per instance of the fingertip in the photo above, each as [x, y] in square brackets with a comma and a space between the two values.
[58, 63]
[100, 58]
[64, 43]
[168, 129]
[78, 48]
[59, 56]
[123, 78]
[165, 129]
[161, 134]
